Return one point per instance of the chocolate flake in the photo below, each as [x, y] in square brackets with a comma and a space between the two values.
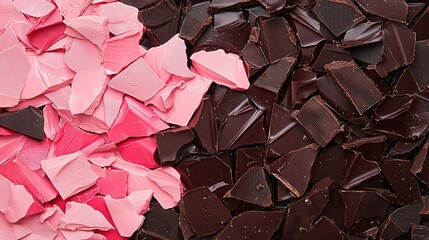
[170, 142]
[28, 121]
[395, 10]
[330, 53]
[197, 16]
[204, 126]
[161, 223]
[325, 229]
[363, 33]
[303, 83]
[246, 158]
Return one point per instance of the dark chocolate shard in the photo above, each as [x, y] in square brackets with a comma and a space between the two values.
[301, 214]
[356, 86]
[307, 56]
[293, 169]
[420, 66]
[139, 3]
[243, 128]
[283, 193]
[161, 223]
[273, 5]
[282, 128]
[228, 102]
[414, 9]
[196, 20]
[325, 229]
[362, 204]
[420, 167]
[250, 192]
[204, 212]
[162, 12]
[338, 15]
[362, 34]
[206, 171]
[358, 170]
[28, 121]
[395, 10]
[425, 209]
[221, 5]
[330, 53]
[256, 13]
[161, 34]
[263, 92]
[399, 221]
[223, 19]
[185, 228]
[277, 39]
[419, 232]
[303, 84]
[254, 58]
[259, 225]
[307, 26]
[330, 164]
[246, 158]
[372, 148]
[420, 26]
[405, 83]
[318, 121]
[398, 175]
[170, 142]
[403, 148]
[204, 126]
[370, 53]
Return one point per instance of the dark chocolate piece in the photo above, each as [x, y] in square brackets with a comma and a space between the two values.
[293, 169]
[273, 5]
[28, 121]
[325, 229]
[419, 232]
[256, 13]
[414, 9]
[281, 130]
[369, 53]
[372, 148]
[363, 33]
[420, 167]
[398, 175]
[405, 84]
[303, 83]
[219, 5]
[330, 164]
[246, 158]
[161, 223]
[161, 34]
[259, 225]
[228, 103]
[264, 90]
[254, 58]
[395, 10]
[420, 26]
[170, 142]
[401, 147]
[420, 66]
[139, 3]
[199, 16]
[164, 11]
[307, 26]
[204, 126]
[358, 169]
[356, 86]
[250, 192]
[204, 212]
[318, 121]
[330, 53]
[185, 228]
[277, 39]
[338, 15]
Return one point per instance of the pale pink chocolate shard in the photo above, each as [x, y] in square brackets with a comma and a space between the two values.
[10, 145]
[93, 28]
[73, 56]
[140, 200]
[40, 228]
[34, 8]
[140, 151]
[137, 80]
[62, 171]
[135, 120]
[32, 152]
[103, 156]
[123, 19]
[114, 183]
[72, 8]
[45, 34]
[79, 216]
[231, 73]
[125, 217]
[175, 59]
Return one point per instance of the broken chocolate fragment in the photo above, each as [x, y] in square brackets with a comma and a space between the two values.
[330, 164]
[406, 83]
[362, 34]
[198, 16]
[28, 121]
[325, 229]
[161, 223]
[369, 53]
[395, 10]
[420, 66]
[254, 58]
[219, 5]
[420, 167]
[330, 53]
[303, 83]
[420, 26]
[246, 158]
[170, 142]
[372, 148]
[162, 12]
[419, 232]
[204, 126]
[358, 169]
[308, 28]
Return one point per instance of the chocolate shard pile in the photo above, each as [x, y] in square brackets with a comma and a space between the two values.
[330, 141]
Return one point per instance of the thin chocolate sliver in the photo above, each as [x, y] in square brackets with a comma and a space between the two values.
[303, 83]
[28, 121]
[420, 26]
[246, 158]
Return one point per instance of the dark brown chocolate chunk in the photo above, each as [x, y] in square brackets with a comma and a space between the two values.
[162, 12]
[273, 5]
[170, 142]
[219, 5]
[395, 10]
[228, 102]
[185, 228]
[362, 204]
[28, 121]
[405, 84]
[250, 192]
[363, 33]
[293, 169]
[161, 34]
[307, 56]
[263, 92]
[246, 158]
[307, 26]
[338, 15]
[161, 223]
[372, 148]
[330, 164]
[303, 83]
[206, 171]
[398, 175]
[282, 128]
[330, 53]
[204, 212]
[318, 121]
[204, 126]
[259, 225]
[325, 229]
[358, 170]
[301, 214]
[370, 53]
[420, 66]
[399, 221]
[356, 86]
[254, 58]
[139, 3]
[414, 9]
[420, 167]
[419, 232]
[402, 148]
[196, 20]
[257, 12]
[420, 26]
[277, 39]
[283, 193]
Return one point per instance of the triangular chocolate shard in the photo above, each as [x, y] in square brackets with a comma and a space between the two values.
[28, 122]
[205, 127]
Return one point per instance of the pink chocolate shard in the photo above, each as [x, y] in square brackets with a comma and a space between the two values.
[140, 200]
[140, 151]
[72, 8]
[137, 80]
[231, 73]
[79, 216]
[86, 195]
[39, 187]
[135, 120]
[45, 33]
[125, 217]
[164, 99]
[33, 152]
[10, 145]
[93, 28]
[114, 184]
[34, 8]
[123, 19]
[167, 178]
[38, 101]
[70, 174]
[51, 121]
[60, 97]
[8, 39]
[21, 204]
[39, 229]
[111, 103]
[104, 156]
[75, 61]
[12, 231]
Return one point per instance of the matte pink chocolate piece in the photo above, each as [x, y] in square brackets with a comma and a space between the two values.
[79, 216]
[140, 200]
[86, 195]
[231, 73]
[45, 33]
[21, 204]
[34, 102]
[114, 184]
[39, 229]
[137, 80]
[12, 231]
[8, 39]
[34, 8]
[123, 19]
[104, 156]
[125, 217]
[75, 61]
[10, 145]
[93, 28]
[51, 121]
[135, 120]
[63, 173]
[33, 152]
[72, 8]
[140, 151]
[60, 97]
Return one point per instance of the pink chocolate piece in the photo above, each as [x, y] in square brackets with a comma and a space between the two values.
[60, 97]
[154, 58]
[79, 216]
[122, 18]
[135, 120]
[110, 105]
[125, 217]
[21, 204]
[104, 156]
[5, 190]
[39, 229]
[72, 8]
[51, 121]
[34, 8]
[86, 195]
[14, 68]
[70, 174]
[10, 145]
[8, 39]
[12, 231]
[168, 179]
[16, 171]
[164, 99]
[137, 80]
[32, 152]
[5, 132]
[78, 48]
[140, 200]
[93, 28]
[231, 73]
[175, 60]
[114, 184]
[34, 102]
[140, 151]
